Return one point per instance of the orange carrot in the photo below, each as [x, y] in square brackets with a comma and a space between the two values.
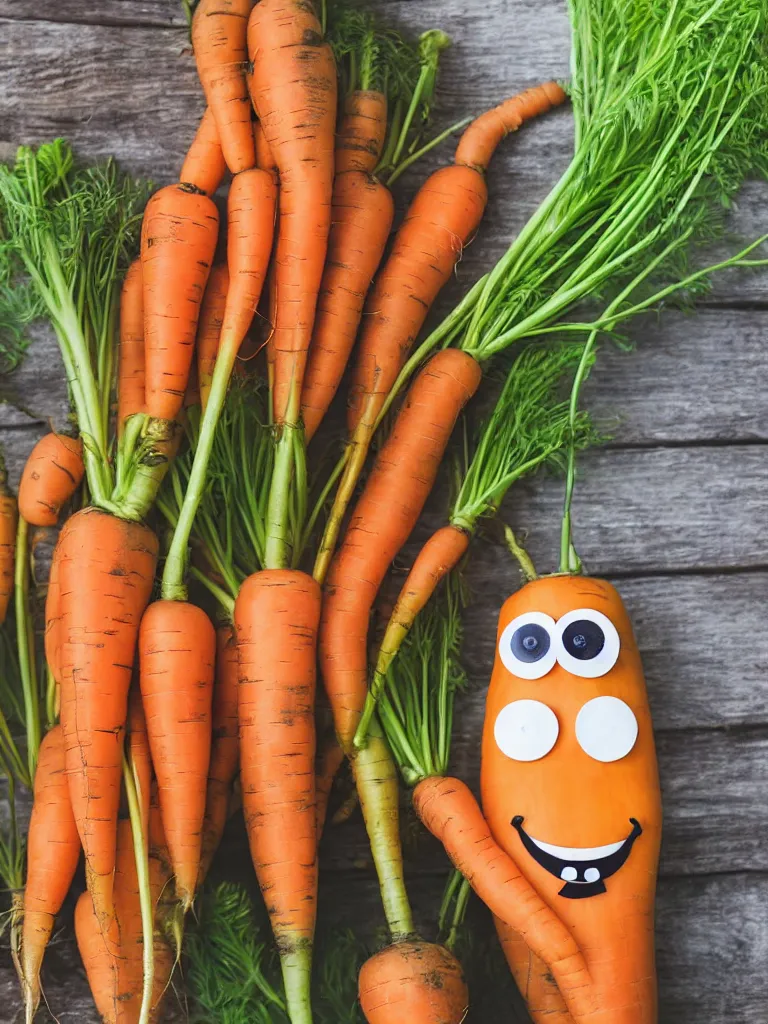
[293, 88]
[264, 158]
[533, 979]
[178, 240]
[177, 645]
[204, 164]
[387, 511]
[51, 476]
[209, 328]
[139, 755]
[413, 981]
[276, 620]
[131, 370]
[53, 850]
[105, 569]
[8, 519]
[53, 623]
[219, 39]
[225, 746]
[362, 132]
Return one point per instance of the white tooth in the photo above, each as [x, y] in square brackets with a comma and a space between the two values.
[571, 853]
[569, 874]
[592, 875]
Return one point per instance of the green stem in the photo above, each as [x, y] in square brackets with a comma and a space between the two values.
[26, 648]
[141, 852]
[414, 157]
[225, 600]
[522, 556]
[459, 913]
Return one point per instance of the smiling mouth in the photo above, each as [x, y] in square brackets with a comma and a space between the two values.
[584, 869]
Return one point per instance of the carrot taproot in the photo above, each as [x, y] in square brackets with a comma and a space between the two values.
[534, 981]
[293, 89]
[204, 165]
[105, 569]
[225, 746]
[583, 820]
[177, 646]
[413, 981]
[178, 240]
[53, 850]
[131, 366]
[392, 500]
[209, 328]
[277, 614]
[50, 477]
[330, 760]
[219, 41]
[9, 514]
[139, 755]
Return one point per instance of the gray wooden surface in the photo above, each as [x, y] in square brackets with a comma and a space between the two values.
[673, 509]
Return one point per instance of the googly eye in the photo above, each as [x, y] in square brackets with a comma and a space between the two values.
[526, 646]
[606, 729]
[587, 643]
[526, 730]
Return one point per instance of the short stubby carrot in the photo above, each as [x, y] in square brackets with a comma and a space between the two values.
[131, 368]
[178, 241]
[51, 475]
[381, 522]
[293, 89]
[106, 568]
[362, 132]
[209, 328]
[9, 515]
[219, 40]
[534, 981]
[415, 981]
[177, 650]
[53, 850]
[276, 619]
[204, 165]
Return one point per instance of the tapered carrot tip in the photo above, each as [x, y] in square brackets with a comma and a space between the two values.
[413, 981]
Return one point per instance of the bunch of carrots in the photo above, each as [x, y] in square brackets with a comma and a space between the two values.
[217, 626]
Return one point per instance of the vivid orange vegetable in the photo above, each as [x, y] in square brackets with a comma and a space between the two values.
[204, 164]
[533, 979]
[209, 328]
[131, 368]
[51, 475]
[8, 519]
[139, 755]
[413, 981]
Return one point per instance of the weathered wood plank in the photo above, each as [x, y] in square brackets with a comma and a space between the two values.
[162, 13]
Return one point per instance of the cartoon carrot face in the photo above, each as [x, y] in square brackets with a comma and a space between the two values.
[569, 778]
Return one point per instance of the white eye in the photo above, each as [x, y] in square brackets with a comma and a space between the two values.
[526, 646]
[606, 729]
[586, 643]
[526, 730]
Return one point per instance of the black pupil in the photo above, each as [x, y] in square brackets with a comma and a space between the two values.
[530, 642]
[583, 639]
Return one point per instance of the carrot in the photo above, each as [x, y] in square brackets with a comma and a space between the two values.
[264, 158]
[533, 979]
[204, 165]
[53, 850]
[594, 784]
[52, 637]
[178, 239]
[293, 89]
[416, 982]
[276, 618]
[51, 475]
[225, 746]
[362, 131]
[177, 645]
[105, 572]
[330, 761]
[209, 328]
[131, 370]
[219, 39]
[8, 519]
[139, 755]
[387, 511]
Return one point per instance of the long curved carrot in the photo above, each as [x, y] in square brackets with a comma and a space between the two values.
[418, 982]
[277, 613]
[106, 568]
[387, 511]
[53, 850]
[178, 240]
[177, 649]
[9, 515]
[219, 40]
[209, 328]
[51, 475]
[533, 979]
[225, 746]
[131, 366]
[293, 88]
[204, 165]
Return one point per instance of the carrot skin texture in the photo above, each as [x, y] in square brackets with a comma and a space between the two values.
[293, 88]
[363, 211]
[53, 850]
[131, 367]
[387, 511]
[209, 328]
[178, 241]
[204, 164]
[140, 756]
[534, 982]
[8, 519]
[362, 132]
[276, 620]
[331, 758]
[51, 475]
[413, 981]
[177, 650]
[106, 568]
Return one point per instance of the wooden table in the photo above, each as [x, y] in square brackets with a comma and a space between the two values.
[673, 509]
